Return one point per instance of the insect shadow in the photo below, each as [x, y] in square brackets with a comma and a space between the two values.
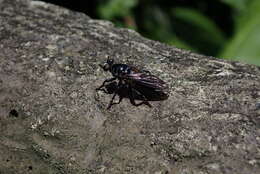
[130, 82]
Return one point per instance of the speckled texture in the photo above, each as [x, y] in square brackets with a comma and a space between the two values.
[53, 121]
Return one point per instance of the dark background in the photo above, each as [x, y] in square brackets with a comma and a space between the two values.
[208, 27]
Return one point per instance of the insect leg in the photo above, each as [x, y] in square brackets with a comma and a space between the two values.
[106, 81]
[111, 103]
[114, 103]
[132, 100]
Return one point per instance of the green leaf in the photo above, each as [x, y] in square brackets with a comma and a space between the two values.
[245, 44]
[116, 8]
[239, 5]
[158, 25]
[205, 34]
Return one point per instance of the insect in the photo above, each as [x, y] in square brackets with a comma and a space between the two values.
[133, 83]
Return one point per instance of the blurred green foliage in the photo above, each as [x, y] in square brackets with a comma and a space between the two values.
[244, 45]
[116, 8]
[193, 26]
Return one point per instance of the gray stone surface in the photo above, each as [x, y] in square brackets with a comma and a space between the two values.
[53, 121]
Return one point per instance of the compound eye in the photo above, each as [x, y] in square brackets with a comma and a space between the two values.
[110, 61]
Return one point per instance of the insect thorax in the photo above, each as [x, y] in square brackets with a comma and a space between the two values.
[120, 69]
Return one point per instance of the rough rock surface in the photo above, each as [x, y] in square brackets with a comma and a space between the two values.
[53, 121]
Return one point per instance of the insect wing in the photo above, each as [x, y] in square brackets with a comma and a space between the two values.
[153, 88]
[145, 78]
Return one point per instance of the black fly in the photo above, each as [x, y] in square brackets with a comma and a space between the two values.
[133, 83]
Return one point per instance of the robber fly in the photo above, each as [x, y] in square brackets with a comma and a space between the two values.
[133, 83]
